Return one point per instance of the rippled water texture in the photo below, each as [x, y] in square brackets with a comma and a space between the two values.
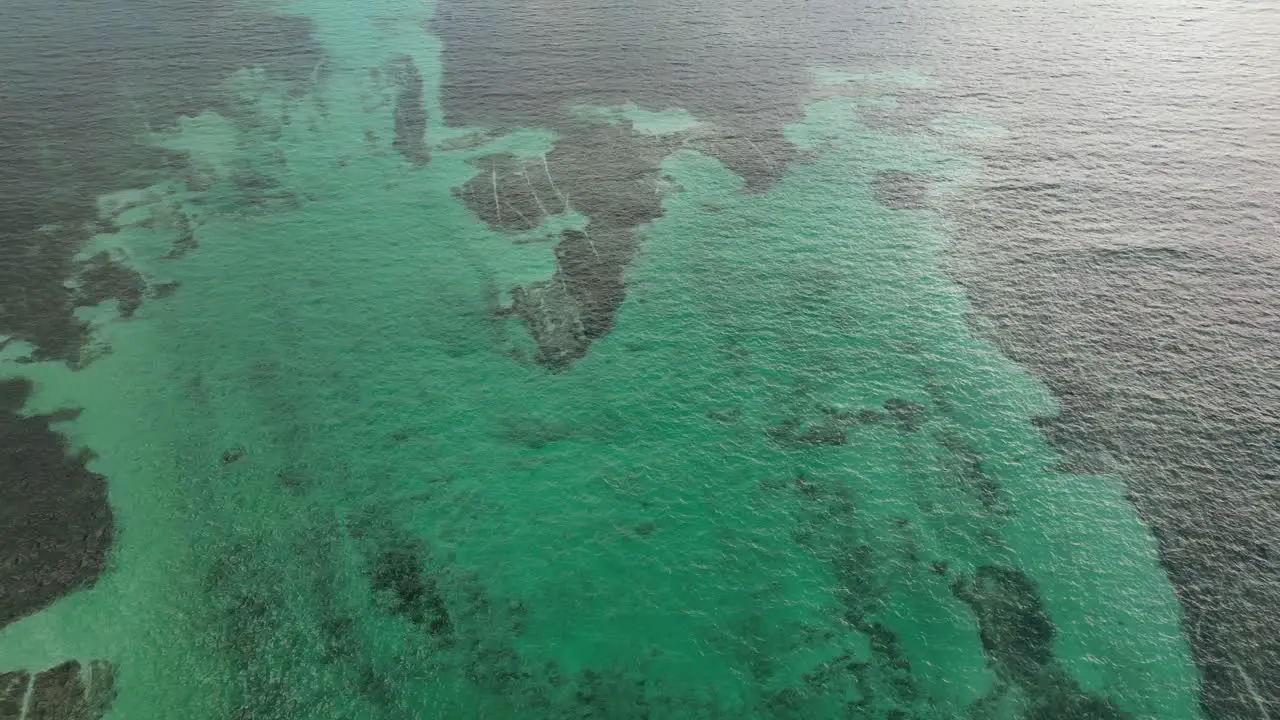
[583, 360]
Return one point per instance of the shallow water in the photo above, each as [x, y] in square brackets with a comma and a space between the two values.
[440, 400]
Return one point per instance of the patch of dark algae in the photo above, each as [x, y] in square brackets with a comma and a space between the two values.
[1017, 637]
[54, 510]
[1016, 633]
[58, 530]
[104, 279]
[883, 684]
[13, 694]
[399, 579]
[610, 174]
[566, 313]
[68, 691]
[512, 194]
[411, 112]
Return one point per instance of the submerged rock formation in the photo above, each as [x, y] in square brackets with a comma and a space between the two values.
[608, 173]
[551, 315]
[512, 194]
[411, 112]
[53, 510]
[105, 278]
[1017, 638]
[68, 691]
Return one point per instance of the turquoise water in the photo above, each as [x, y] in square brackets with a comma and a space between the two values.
[791, 481]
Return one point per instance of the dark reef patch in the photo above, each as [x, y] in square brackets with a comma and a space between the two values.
[793, 432]
[1016, 633]
[104, 278]
[577, 304]
[186, 240]
[512, 194]
[965, 463]
[68, 691]
[552, 318]
[35, 305]
[909, 415]
[233, 454]
[53, 510]
[605, 171]
[1017, 638]
[411, 111]
[884, 684]
[818, 424]
[58, 694]
[593, 278]
[401, 578]
[398, 578]
[13, 694]
[494, 50]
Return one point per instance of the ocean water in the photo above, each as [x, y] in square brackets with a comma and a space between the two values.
[581, 360]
